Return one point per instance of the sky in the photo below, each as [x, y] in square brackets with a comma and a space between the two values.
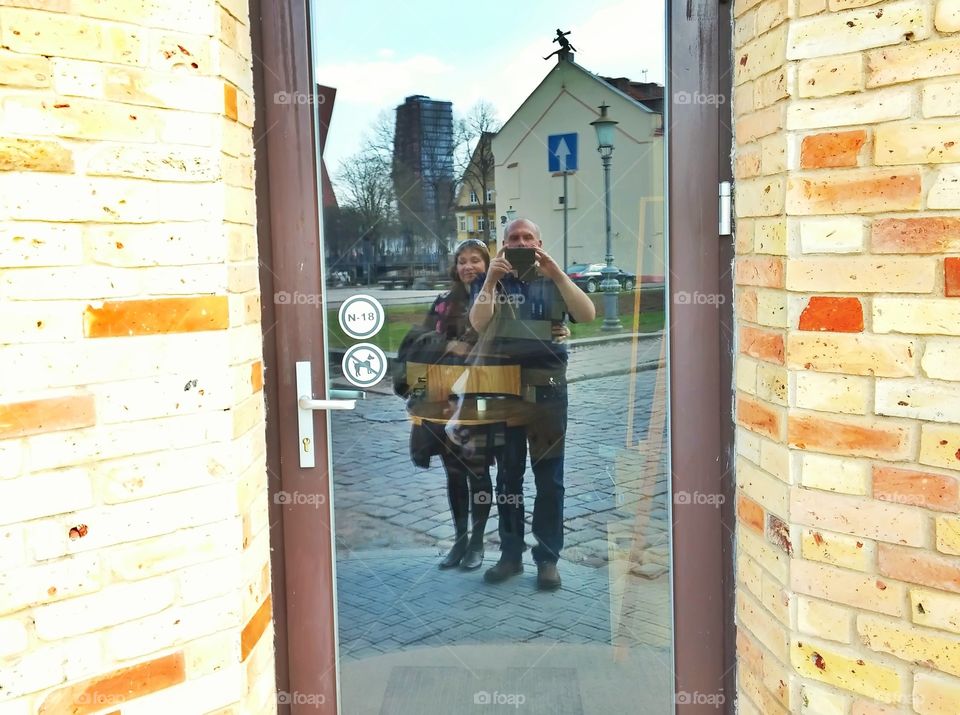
[376, 53]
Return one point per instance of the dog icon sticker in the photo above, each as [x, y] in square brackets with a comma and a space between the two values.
[364, 364]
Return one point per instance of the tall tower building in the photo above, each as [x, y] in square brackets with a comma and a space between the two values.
[423, 167]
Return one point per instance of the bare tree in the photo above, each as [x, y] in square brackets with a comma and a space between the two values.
[475, 159]
[368, 189]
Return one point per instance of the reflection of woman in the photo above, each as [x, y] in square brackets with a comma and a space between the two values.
[467, 463]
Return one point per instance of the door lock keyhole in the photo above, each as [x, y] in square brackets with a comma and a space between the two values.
[306, 444]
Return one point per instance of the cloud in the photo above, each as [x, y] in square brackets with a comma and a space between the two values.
[381, 81]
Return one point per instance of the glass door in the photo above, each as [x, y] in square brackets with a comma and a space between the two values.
[494, 253]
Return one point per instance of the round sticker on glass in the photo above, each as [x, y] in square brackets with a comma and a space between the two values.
[361, 316]
[364, 364]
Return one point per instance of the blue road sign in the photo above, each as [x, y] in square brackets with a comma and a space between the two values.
[562, 152]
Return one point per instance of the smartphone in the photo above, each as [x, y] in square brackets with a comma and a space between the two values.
[522, 260]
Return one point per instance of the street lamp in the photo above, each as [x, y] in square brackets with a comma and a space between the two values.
[610, 285]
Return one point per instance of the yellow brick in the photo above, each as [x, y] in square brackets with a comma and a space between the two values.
[920, 400]
[914, 60]
[941, 98]
[775, 458]
[935, 695]
[861, 275]
[947, 18]
[53, 35]
[834, 474]
[747, 375]
[776, 599]
[820, 701]
[850, 4]
[948, 535]
[777, 678]
[882, 105]
[741, 6]
[773, 156]
[164, 14]
[164, 244]
[945, 192]
[838, 549]
[849, 672]
[770, 236]
[833, 393]
[914, 645]
[859, 29]
[810, 7]
[827, 76]
[824, 620]
[24, 71]
[181, 53]
[744, 29]
[763, 122]
[742, 102]
[832, 235]
[772, 383]
[765, 489]
[916, 143]
[916, 315]
[750, 575]
[935, 609]
[760, 197]
[849, 588]
[852, 354]
[771, 88]
[858, 516]
[940, 445]
[773, 560]
[762, 55]
[748, 443]
[752, 616]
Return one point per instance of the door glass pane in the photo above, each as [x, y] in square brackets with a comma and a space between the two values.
[515, 411]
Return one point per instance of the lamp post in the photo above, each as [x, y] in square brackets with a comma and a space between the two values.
[609, 285]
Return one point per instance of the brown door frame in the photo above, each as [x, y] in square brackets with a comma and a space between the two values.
[700, 357]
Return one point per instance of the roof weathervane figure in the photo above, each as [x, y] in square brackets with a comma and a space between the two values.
[565, 47]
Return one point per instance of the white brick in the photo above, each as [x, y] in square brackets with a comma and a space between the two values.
[49, 582]
[833, 235]
[916, 316]
[161, 163]
[173, 627]
[920, 400]
[44, 495]
[36, 670]
[947, 18]
[210, 579]
[163, 396]
[945, 192]
[173, 244]
[823, 619]
[833, 393]
[11, 450]
[881, 105]
[816, 700]
[941, 98]
[834, 474]
[13, 637]
[108, 607]
[12, 547]
[47, 322]
[201, 695]
[125, 523]
[861, 29]
[40, 244]
[940, 359]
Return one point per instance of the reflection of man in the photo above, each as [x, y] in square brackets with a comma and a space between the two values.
[523, 331]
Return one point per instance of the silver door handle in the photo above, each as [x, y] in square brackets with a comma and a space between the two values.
[305, 407]
[308, 403]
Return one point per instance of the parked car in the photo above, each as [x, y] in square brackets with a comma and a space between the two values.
[588, 276]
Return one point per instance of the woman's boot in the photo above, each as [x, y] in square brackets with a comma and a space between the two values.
[473, 558]
[455, 555]
[459, 498]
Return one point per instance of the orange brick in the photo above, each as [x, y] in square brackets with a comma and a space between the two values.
[255, 627]
[762, 344]
[256, 376]
[18, 419]
[149, 317]
[839, 315]
[229, 101]
[747, 304]
[765, 271]
[917, 566]
[759, 417]
[936, 234]
[117, 687]
[750, 513]
[831, 149]
[905, 486]
[849, 438]
[855, 192]
[951, 277]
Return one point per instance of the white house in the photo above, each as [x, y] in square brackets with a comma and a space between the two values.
[553, 123]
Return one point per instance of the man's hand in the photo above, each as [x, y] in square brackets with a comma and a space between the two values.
[499, 267]
[548, 267]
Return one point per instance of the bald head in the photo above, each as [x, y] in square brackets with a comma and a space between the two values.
[522, 233]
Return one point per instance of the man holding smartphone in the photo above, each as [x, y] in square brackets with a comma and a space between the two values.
[519, 306]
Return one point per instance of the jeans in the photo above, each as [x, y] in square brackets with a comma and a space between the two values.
[545, 435]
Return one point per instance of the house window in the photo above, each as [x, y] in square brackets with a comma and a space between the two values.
[489, 195]
[461, 223]
[481, 223]
[473, 198]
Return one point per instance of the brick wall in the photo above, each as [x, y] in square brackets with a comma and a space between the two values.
[134, 555]
[848, 369]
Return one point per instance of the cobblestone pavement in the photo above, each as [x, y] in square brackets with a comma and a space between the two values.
[393, 524]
